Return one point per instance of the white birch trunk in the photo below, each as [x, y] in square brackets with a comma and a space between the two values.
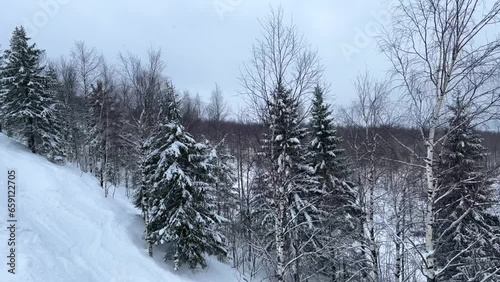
[145, 211]
[441, 89]
[369, 234]
[280, 235]
[400, 236]
[371, 254]
[144, 192]
[429, 211]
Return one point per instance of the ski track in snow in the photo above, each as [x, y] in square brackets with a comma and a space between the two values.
[67, 231]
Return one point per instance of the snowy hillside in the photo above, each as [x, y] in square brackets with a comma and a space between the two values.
[67, 231]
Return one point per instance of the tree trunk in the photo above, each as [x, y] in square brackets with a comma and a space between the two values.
[127, 192]
[145, 213]
[31, 136]
[429, 211]
[430, 270]
[295, 254]
[145, 210]
[398, 246]
[371, 253]
[280, 236]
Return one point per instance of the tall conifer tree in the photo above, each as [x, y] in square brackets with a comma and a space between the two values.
[467, 236]
[337, 211]
[182, 208]
[29, 107]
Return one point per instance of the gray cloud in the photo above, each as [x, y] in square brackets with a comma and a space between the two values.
[203, 41]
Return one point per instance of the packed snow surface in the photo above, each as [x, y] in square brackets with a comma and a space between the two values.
[67, 231]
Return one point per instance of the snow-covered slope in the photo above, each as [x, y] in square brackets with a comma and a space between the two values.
[67, 231]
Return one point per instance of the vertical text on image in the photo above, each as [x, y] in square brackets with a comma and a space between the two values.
[11, 220]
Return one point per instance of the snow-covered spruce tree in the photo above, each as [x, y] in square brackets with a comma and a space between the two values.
[467, 236]
[337, 210]
[294, 190]
[182, 211]
[29, 107]
[148, 165]
[446, 54]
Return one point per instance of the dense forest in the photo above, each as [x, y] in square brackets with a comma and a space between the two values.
[400, 185]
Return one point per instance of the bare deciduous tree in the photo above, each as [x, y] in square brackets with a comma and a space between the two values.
[217, 111]
[282, 63]
[437, 48]
[369, 111]
[191, 112]
[144, 79]
[281, 55]
[87, 61]
[143, 84]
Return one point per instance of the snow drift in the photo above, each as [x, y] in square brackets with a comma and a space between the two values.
[67, 231]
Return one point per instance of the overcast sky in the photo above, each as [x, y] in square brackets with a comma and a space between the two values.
[204, 41]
